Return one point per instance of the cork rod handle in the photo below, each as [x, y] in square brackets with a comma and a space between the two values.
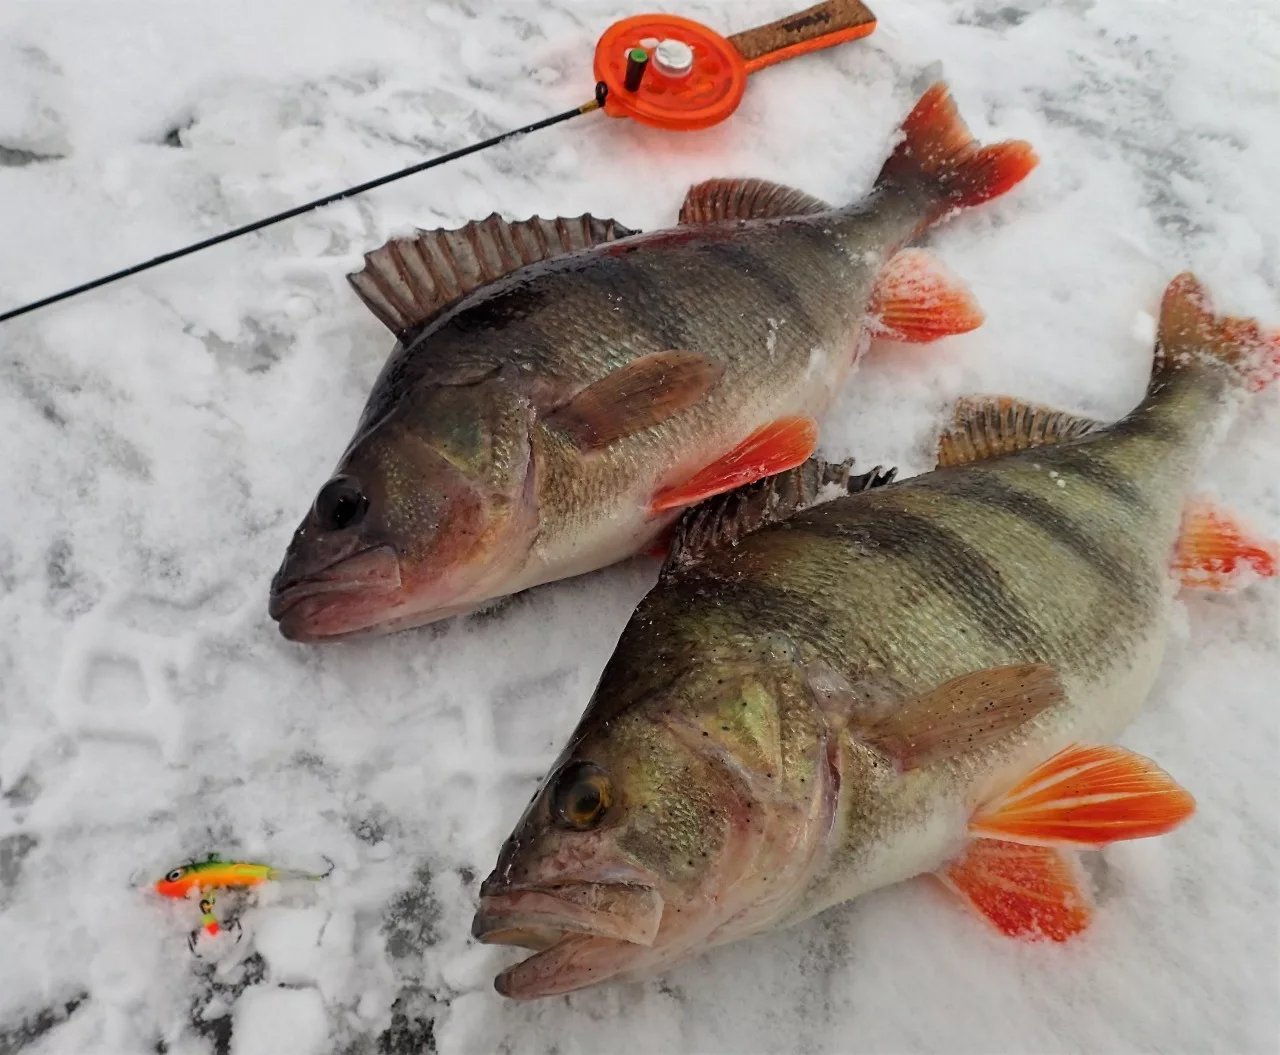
[821, 26]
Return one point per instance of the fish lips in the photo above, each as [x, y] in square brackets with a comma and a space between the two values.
[348, 595]
[582, 933]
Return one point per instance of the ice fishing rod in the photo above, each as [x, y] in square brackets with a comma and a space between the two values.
[661, 70]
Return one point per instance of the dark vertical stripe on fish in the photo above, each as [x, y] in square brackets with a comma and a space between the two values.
[761, 606]
[946, 562]
[777, 284]
[986, 488]
[1087, 462]
[631, 278]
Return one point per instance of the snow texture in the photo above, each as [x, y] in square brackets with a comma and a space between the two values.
[163, 437]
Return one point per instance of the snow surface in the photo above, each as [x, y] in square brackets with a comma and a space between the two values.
[163, 437]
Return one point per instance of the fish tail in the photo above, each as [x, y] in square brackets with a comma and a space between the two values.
[938, 158]
[1191, 334]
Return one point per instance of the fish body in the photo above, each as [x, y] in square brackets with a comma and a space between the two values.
[849, 697]
[550, 421]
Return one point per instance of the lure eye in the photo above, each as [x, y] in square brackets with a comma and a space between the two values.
[175, 875]
[581, 797]
[340, 504]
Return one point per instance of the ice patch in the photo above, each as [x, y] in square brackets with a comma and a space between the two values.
[269, 1020]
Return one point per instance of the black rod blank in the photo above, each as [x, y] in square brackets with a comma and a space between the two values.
[298, 210]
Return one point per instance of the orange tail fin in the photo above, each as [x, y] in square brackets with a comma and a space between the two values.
[939, 157]
[1189, 330]
[1086, 796]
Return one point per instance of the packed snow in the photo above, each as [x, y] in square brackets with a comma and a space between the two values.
[164, 436]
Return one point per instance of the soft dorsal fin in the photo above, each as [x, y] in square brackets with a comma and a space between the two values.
[989, 426]
[411, 280]
[646, 391]
[725, 519]
[745, 199]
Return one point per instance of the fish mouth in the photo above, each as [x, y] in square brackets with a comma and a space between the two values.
[341, 599]
[581, 933]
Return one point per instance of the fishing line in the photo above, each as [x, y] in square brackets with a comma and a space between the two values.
[661, 70]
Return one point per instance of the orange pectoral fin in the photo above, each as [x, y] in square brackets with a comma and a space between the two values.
[1215, 552]
[1023, 891]
[918, 299]
[774, 448]
[1086, 796]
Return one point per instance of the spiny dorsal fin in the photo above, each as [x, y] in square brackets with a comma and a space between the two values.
[989, 426]
[745, 199]
[409, 281]
[726, 519]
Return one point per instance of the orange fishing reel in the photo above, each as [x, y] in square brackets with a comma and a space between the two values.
[674, 73]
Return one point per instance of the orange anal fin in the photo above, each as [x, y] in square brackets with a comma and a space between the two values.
[774, 448]
[1033, 892]
[918, 299]
[1215, 552]
[1086, 796]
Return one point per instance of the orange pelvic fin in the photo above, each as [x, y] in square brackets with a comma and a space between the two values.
[1031, 892]
[774, 448]
[1086, 796]
[1215, 552]
[918, 299]
[938, 156]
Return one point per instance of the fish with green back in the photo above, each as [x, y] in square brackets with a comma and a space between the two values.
[561, 389]
[921, 678]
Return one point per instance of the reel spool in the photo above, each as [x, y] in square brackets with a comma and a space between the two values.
[675, 73]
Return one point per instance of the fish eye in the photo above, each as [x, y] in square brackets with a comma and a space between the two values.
[175, 875]
[340, 504]
[581, 797]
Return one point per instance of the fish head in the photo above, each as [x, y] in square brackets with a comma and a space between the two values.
[636, 850]
[429, 511]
